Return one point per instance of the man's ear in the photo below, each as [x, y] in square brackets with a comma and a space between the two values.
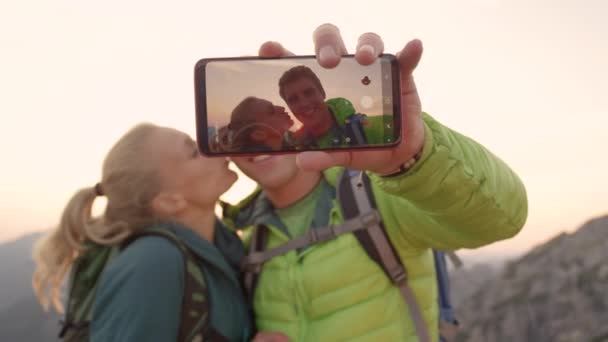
[258, 135]
[168, 204]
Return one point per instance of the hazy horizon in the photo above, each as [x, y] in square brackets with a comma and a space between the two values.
[527, 80]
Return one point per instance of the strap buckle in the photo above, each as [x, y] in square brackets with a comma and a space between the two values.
[398, 274]
[323, 234]
[248, 266]
[369, 219]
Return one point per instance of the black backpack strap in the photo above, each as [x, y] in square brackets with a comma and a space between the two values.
[355, 195]
[195, 323]
[251, 274]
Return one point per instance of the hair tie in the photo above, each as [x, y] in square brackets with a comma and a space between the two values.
[98, 190]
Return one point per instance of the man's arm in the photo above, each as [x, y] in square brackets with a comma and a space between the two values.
[458, 195]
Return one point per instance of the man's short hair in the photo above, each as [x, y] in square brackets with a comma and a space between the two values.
[294, 74]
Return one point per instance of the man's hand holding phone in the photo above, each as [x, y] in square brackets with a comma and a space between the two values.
[329, 48]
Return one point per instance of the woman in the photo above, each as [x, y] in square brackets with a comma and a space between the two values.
[256, 125]
[154, 179]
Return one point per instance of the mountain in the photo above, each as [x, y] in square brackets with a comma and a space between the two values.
[556, 292]
[16, 266]
[21, 317]
[26, 321]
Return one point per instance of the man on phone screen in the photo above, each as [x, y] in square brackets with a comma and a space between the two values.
[328, 123]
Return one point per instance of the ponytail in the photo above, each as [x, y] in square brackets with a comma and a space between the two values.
[55, 253]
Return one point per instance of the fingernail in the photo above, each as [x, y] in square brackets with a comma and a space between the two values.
[327, 52]
[368, 48]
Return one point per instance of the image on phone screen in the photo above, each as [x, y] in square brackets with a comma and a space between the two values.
[252, 105]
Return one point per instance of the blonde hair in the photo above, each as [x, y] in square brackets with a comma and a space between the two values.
[130, 182]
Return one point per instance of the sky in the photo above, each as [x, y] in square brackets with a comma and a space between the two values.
[527, 79]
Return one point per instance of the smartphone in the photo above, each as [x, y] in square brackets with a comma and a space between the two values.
[254, 105]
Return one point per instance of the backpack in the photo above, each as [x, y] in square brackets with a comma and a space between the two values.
[88, 268]
[354, 128]
[361, 218]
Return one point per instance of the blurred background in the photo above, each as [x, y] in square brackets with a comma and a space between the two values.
[526, 79]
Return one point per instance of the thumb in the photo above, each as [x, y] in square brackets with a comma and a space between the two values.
[273, 49]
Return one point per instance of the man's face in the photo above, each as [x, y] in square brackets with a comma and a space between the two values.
[306, 102]
[269, 171]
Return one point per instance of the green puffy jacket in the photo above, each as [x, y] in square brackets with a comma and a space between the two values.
[458, 195]
[376, 129]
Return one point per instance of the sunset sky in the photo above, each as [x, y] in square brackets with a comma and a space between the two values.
[528, 79]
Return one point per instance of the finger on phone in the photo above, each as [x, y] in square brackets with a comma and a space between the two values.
[409, 57]
[273, 49]
[369, 47]
[319, 161]
[329, 46]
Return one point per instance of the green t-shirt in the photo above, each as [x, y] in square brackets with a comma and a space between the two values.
[298, 217]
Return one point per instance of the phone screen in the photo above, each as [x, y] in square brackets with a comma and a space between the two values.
[291, 104]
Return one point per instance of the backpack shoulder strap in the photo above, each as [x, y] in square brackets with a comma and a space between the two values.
[354, 128]
[448, 325]
[195, 324]
[251, 272]
[85, 272]
[356, 198]
[258, 254]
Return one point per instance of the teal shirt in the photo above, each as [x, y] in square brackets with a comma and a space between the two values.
[139, 295]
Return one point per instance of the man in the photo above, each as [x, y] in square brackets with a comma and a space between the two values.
[436, 189]
[330, 123]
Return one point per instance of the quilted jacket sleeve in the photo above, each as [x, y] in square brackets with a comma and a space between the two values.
[458, 195]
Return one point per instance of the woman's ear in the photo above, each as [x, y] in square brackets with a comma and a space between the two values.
[167, 205]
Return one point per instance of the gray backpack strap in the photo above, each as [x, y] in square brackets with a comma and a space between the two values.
[252, 263]
[354, 194]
